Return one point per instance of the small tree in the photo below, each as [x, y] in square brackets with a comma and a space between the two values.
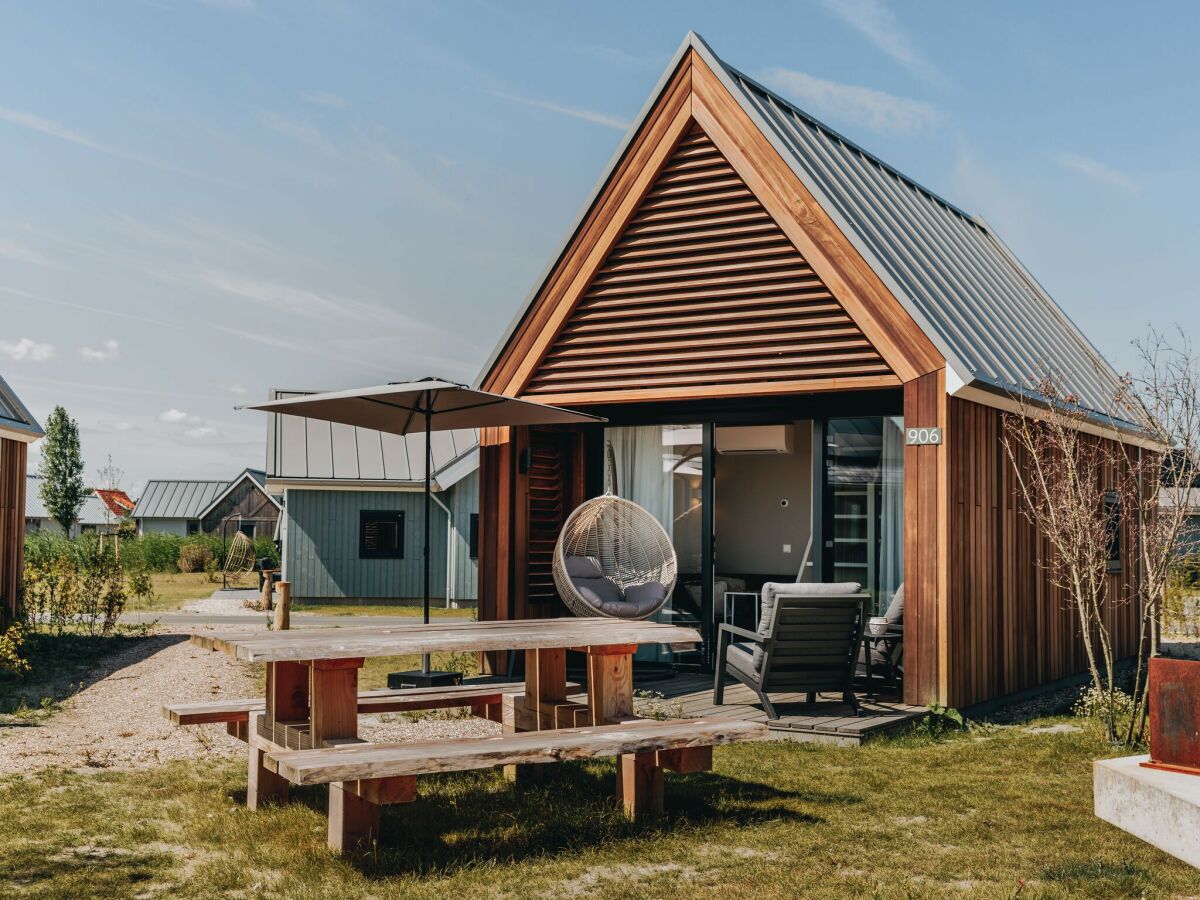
[61, 469]
[110, 479]
[1085, 484]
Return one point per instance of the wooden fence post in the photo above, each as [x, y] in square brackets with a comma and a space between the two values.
[265, 603]
[283, 607]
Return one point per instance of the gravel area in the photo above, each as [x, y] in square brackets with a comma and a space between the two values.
[116, 721]
[227, 603]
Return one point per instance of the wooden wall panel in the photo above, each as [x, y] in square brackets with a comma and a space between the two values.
[925, 538]
[703, 290]
[1009, 627]
[13, 460]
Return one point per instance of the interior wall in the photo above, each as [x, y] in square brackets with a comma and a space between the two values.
[752, 526]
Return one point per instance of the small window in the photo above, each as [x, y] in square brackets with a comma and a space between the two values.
[193, 526]
[247, 528]
[1112, 531]
[380, 534]
[474, 536]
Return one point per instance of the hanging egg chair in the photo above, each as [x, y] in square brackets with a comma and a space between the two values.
[614, 559]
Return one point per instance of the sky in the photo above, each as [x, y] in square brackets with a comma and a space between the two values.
[201, 200]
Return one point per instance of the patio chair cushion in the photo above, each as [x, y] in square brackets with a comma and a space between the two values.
[587, 576]
[645, 598]
[741, 658]
[583, 567]
[774, 589]
[895, 610]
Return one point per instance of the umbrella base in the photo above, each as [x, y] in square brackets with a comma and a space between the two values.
[418, 679]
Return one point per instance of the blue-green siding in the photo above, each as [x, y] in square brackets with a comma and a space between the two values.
[321, 544]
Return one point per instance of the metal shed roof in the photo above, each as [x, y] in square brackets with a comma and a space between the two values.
[996, 326]
[15, 416]
[303, 449]
[176, 499]
[93, 511]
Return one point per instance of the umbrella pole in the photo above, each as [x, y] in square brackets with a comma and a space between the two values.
[428, 488]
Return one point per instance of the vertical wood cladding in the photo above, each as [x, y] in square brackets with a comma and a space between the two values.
[1010, 628]
[13, 459]
[703, 289]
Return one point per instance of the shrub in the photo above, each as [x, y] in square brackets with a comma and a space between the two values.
[194, 556]
[11, 644]
[1096, 703]
[152, 552]
[73, 583]
[264, 546]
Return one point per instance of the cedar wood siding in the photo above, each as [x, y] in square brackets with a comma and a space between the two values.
[13, 460]
[1009, 628]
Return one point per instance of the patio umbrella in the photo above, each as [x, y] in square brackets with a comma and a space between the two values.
[423, 406]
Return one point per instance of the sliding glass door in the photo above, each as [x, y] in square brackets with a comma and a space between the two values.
[661, 468]
[864, 505]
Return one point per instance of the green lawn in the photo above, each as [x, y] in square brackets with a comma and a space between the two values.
[171, 591]
[379, 609]
[995, 814]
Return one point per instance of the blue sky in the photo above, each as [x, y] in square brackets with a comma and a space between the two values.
[204, 200]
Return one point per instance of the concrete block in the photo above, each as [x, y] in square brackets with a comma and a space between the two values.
[1161, 808]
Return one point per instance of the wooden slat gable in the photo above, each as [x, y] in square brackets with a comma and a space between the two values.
[705, 268]
[703, 290]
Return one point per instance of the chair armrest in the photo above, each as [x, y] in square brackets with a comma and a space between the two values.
[742, 632]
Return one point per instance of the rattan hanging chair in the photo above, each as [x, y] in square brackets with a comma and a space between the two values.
[614, 559]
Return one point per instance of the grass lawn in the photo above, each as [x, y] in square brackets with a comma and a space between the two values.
[173, 590]
[379, 609]
[993, 813]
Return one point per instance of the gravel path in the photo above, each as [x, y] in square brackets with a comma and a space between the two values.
[116, 721]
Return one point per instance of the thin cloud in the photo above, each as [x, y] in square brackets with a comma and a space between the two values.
[61, 132]
[200, 432]
[20, 253]
[302, 132]
[327, 99]
[54, 301]
[876, 110]
[110, 350]
[1097, 171]
[27, 350]
[233, 5]
[877, 23]
[174, 416]
[575, 112]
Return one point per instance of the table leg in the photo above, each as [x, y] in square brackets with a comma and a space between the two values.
[286, 701]
[545, 683]
[640, 785]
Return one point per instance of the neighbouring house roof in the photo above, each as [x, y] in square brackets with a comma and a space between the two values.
[15, 418]
[310, 451]
[93, 511]
[118, 502]
[256, 476]
[997, 328]
[177, 498]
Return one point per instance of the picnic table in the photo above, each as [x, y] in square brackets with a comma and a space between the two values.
[305, 730]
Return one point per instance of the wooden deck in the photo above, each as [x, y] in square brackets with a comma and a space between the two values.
[827, 721]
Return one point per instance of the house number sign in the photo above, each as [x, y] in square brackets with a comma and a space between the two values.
[922, 437]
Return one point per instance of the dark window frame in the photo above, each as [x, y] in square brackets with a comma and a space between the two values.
[192, 527]
[368, 516]
[1113, 526]
[473, 536]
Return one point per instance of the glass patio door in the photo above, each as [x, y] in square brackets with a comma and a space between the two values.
[661, 468]
[864, 505]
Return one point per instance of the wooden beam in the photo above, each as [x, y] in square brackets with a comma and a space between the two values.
[640, 785]
[610, 686]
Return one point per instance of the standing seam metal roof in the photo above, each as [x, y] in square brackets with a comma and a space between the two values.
[170, 499]
[994, 324]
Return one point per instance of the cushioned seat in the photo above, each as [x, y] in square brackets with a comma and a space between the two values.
[741, 657]
[635, 602]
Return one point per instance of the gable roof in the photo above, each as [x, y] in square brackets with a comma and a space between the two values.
[176, 498]
[15, 417]
[302, 451]
[255, 476]
[118, 502]
[997, 329]
[92, 512]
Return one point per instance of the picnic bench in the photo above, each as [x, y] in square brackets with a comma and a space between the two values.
[305, 729]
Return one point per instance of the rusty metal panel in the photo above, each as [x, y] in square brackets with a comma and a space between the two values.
[1175, 714]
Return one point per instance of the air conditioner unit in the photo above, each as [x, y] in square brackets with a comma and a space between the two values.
[749, 439]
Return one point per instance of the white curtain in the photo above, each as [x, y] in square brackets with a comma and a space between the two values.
[891, 525]
[640, 470]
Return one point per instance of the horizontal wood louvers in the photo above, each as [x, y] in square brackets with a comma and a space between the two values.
[702, 289]
[547, 497]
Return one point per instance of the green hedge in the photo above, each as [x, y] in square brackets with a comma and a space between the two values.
[149, 552]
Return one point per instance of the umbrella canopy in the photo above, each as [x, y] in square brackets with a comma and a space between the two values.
[402, 408]
[421, 407]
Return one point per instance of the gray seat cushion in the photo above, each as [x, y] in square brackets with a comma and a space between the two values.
[583, 567]
[645, 598]
[741, 658]
[895, 610]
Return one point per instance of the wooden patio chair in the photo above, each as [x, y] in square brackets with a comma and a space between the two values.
[807, 641]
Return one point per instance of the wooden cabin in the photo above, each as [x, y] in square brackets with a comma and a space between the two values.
[18, 429]
[796, 346]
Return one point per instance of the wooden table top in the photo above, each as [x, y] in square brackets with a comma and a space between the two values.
[441, 637]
